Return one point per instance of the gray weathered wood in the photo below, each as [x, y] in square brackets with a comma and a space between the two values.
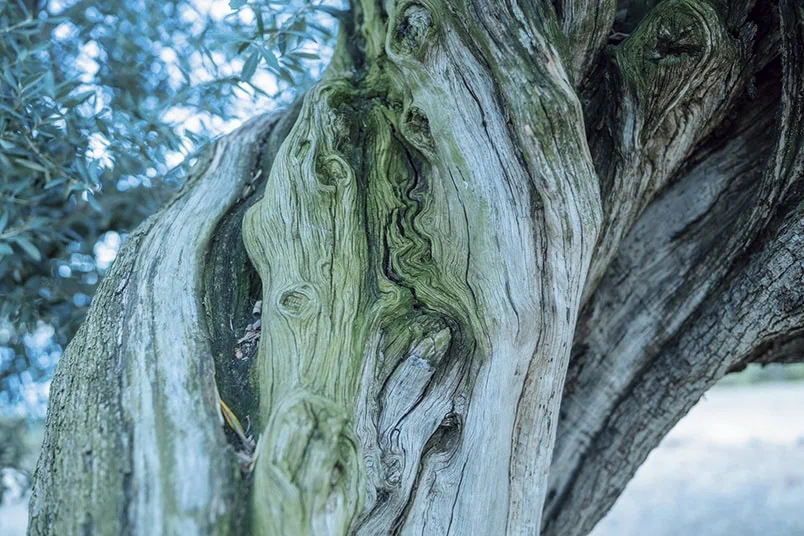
[479, 200]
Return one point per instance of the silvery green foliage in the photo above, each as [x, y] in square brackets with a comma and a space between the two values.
[97, 99]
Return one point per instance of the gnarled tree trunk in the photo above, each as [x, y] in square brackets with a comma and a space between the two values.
[479, 200]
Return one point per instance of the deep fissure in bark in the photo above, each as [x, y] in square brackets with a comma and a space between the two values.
[417, 227]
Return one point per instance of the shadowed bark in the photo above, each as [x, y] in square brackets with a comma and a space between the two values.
[706, 281]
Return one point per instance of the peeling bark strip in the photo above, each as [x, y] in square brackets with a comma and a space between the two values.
[133, 443]
[427, 227]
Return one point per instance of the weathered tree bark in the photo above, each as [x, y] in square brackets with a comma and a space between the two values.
[479, 200]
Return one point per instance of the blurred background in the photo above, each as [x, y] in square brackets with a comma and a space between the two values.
[103, 105]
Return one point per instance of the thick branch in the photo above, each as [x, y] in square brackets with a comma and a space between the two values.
[422, 244]
[669, 84]
[784, 350]
[651, 295]
[761, 306]
[133, 440]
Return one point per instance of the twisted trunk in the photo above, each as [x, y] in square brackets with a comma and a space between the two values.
[423, 231]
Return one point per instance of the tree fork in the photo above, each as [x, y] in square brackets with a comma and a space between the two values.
[721, 266]
[423, 229]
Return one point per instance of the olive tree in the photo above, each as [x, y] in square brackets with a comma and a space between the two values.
[463, 286]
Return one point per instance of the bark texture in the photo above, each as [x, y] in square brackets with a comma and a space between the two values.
[422, 241]
[134, 442]
[479, 201]
[708, 279]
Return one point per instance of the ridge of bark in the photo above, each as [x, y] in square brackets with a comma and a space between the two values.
[648, 346]
[134, 427]
[404, 210]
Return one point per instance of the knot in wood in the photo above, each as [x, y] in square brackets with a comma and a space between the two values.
[413, 28]
[416, 129]
[331, 170]
[678, 38]
[298, 301]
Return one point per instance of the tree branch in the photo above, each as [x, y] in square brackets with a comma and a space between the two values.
[668, 85]
[787, 349]
[681, 286]
[422, 243]
[133, 441]
[760, 306]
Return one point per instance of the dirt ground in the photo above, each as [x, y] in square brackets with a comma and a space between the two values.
[733, 467]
